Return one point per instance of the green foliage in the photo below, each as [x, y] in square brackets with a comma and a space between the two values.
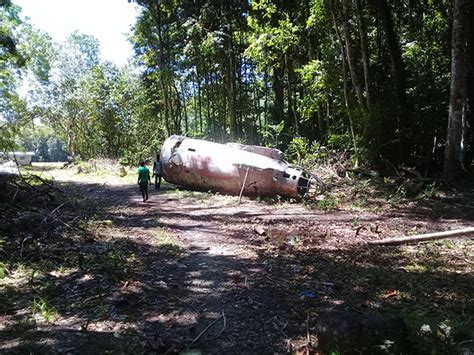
[40, 52]
[314, 79]
[101, 308]
[3, 270]
[94, 107]
[168, 244]
[298, 149]
[264, 72]
[195, 195]
[268, 43]
[340, 141]
[271, 134]
[42, 307]
[430, 335]
[432, 191]
[44, 142]
[115, 257]
[329, 201]
[12, 106]
[8, 132]
[398, 194]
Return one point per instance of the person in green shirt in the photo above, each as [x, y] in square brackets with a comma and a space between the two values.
[143, 180]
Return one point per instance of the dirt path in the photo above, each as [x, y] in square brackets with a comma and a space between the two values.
[217, 276]
[190, 271]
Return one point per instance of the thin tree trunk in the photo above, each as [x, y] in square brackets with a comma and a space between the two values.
[309, 43]
[225, 101]
[265, 100]
[195, 108]
[457, 101]
[177, 117]
[199, 101]
[231, 92]
[398, 68]
[364, 52]
[291, 94]
[278, 109]
[209, 122]
[155, 10]
[212, 99]
[185, 111]
[469, 130]
[71, 144]
[344, 76]
[350, 53]
[174, 104]
[320, 124]
[258, 117]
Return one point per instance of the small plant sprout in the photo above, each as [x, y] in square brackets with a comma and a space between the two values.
[42, 308]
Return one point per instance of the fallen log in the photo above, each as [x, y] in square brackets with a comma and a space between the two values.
[456, 233]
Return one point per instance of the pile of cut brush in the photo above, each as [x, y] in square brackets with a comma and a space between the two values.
[34, 209]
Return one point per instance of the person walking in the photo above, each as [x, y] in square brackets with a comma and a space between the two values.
[144, 180]
[157, 172]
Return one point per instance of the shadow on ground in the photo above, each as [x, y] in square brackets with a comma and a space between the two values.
[123, 288]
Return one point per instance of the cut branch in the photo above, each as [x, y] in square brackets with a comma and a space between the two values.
[206, 329]
[464, 232]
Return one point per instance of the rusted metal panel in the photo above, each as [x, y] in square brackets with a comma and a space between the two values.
[218, 167]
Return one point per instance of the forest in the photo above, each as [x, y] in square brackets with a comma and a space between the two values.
[388, 83]
[373, 97]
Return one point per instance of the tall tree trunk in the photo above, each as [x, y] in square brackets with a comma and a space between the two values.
[185, 111]
[398, 68]
[457, 102]
[161, 59]
[195, 108]
[258, 118]
[231, 92]
[292, 114]
[322, 134]
[344, 76]
[212, 93]
[209, 123]
[279, 104]
[71, 144]
[199, 99]
[364, 51]
[225, 101]
[174, 102]
[309, 43]
[185, 115]
[469, 131]
[265, 99]
[260, 122]
[350, 53]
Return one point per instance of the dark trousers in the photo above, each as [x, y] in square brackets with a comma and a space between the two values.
[144, 190]
[157, 181]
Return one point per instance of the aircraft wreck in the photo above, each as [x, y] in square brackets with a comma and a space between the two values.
[234, 169]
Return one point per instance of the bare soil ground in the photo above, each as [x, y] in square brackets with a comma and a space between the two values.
[199, 272]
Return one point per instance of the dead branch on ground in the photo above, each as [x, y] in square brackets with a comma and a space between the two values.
[457, 233]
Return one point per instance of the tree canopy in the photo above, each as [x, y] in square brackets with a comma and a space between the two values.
[372, 78]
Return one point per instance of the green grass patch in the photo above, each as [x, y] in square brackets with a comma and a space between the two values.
[195, 195]
[329, 202]
[3, 271]
[168, 244]
[42, 307]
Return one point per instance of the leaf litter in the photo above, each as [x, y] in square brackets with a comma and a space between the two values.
[101, 271]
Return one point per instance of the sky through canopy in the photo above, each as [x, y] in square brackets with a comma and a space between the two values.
[107, 20]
